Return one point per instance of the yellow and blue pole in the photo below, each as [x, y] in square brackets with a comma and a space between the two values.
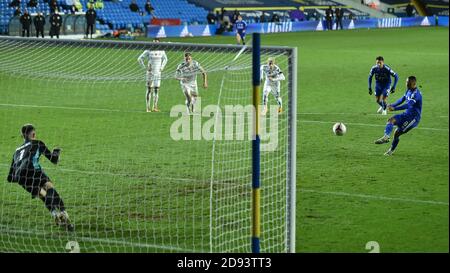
[256, 216]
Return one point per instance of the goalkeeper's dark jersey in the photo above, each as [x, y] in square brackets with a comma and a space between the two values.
[25, 161]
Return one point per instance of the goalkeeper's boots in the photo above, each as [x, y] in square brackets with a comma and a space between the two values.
[380, 110]
[65, 221]
[384, 113]
[280, 110]
[155, 109]
[382, 140]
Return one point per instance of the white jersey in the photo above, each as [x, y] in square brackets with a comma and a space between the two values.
[188, 73]
[157, 60]
[273, 76]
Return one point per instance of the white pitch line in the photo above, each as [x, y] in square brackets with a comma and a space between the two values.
[4, 228]
[366, 196]
[370, 125]
[71, 108]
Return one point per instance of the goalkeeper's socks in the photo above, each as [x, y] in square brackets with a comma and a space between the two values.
[53, 200]
[280, 103]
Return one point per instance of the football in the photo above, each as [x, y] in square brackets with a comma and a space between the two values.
[339, 129]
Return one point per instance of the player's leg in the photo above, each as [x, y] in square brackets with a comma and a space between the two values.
[388, 129]
[55, 204]
[266, 92]
[155, 84]
[243, 38]
[404, 128]
[148, 96]
[238, 39]
[276, 94]
[187, 94]
[384, 96]
[378, 99]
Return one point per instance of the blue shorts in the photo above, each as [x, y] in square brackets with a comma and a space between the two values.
[382, 91]
[242, 34]
[406, 122]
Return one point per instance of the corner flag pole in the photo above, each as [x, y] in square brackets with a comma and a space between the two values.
[256, 208]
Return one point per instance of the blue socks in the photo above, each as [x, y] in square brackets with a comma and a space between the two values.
[395, 143]
[388, 129]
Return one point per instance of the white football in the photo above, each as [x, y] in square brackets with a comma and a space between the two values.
[339, 129]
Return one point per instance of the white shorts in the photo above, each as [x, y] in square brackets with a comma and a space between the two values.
[189, 89]
[153, 80]
[274, 89]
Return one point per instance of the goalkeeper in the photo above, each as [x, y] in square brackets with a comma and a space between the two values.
[27, 172]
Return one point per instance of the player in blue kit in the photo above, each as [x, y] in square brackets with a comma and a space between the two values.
[383, 87]
[240, 27]
[412, 102]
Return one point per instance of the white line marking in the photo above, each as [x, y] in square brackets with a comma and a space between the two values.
[370, 125]
[366, 196]
[135, 111]
[6, 229]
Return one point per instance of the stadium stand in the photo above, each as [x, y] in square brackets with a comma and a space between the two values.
[431, 7]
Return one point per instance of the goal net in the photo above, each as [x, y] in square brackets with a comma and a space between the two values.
[134, 181]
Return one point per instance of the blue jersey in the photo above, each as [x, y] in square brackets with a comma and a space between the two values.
[241, 26]
[413, 105]
[382, 77]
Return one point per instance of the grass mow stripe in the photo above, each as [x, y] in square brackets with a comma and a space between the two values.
[6, 229]
[378, 197]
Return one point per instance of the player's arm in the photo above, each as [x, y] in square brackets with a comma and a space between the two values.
[10, 174]
[279, 77]
[395, 106]
[164, 61]
[410, 104]
[142, 57]
[395, 75]
[370, 81]
[179, 73]
[52, 156]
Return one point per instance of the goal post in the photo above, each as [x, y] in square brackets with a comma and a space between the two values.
[149, 182]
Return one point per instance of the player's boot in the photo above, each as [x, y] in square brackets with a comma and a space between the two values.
[155, 109]
[65, 221]
[389, 152]
[384, 113]
[380, 110]
[57, 217]
[280, 110]
[382, 140]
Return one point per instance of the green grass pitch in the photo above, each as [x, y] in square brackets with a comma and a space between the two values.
[348, 193]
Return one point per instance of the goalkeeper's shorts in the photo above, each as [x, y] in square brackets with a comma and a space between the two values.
[32, 181]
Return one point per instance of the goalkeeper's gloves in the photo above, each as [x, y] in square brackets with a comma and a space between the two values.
[370, 90]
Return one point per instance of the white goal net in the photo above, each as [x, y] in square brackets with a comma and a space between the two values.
[134, 181]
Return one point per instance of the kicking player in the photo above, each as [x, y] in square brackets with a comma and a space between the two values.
[186, 73]
[273, 76]
[240, 27]
[157, 60]
[383, 86]
[27, 172]
[412, 102]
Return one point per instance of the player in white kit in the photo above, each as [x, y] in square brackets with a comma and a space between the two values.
[273, 76]
[186, 73]
[157, 60]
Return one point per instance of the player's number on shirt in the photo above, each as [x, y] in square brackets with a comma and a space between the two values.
[73, 247]
[21, 154]
[373, 246]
